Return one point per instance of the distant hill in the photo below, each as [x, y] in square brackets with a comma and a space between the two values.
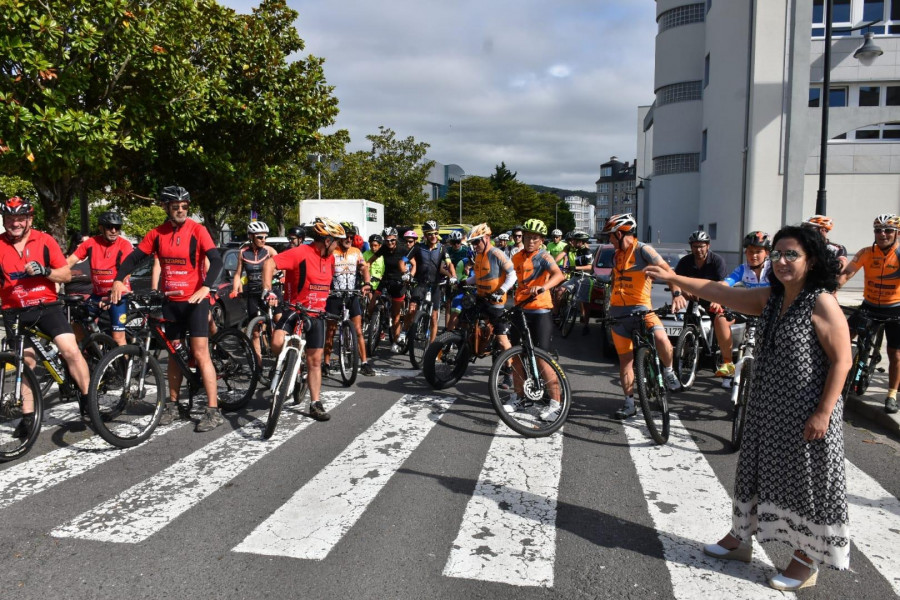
[563, 193]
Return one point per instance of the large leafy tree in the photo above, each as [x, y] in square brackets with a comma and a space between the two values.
[82, 81]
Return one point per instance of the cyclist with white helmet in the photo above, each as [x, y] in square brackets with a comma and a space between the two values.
[556, 247]
[881, 293]
[502, 242]
[825, 225]
[249, 268]
[630, 293]
[702, 263]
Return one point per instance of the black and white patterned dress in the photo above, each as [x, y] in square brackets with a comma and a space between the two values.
[787, 489]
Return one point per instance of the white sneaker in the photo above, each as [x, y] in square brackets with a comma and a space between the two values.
[401, 338]
[671, 381]
[513, 404]
[551, 413]
[395, 348]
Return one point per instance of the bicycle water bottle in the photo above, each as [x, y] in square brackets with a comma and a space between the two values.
[181, 349]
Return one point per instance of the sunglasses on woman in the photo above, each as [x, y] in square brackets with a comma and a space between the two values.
[788, 255]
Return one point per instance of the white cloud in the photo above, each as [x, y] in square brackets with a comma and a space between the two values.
[551, 88]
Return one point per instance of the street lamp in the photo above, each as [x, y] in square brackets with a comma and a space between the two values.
[866, 54]
[461, 177]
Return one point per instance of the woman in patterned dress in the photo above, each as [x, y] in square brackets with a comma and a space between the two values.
[790, 484]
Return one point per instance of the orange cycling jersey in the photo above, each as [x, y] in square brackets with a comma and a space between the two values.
[491, 268]
[533, 270]
[630, 286]
[882, 274]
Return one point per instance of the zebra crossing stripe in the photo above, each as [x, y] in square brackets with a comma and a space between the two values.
[873, 523]
[318, 515]
[508, 532]
[144, 509]
[690, 508]
[45, 471]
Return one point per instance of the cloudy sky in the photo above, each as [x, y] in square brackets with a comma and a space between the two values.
[549, 87]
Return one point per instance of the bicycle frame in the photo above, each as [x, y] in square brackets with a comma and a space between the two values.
[745, 351]
[293, 342]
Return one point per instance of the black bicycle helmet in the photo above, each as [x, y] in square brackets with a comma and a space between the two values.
[376, 239]
[758, 238]
[699, 236]
[110, 219]
[296, 232]
[174, 193]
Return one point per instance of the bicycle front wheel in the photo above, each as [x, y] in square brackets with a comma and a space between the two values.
[348, 353]
[687, 355]
[653, 395]
[446, 360]
[376, 327]
[740, 407]
[236, 368]
[568, 314]
[17, 435]
[259, 326]
[420, 338]
[536, 402]
[125, 405]
[282, 389]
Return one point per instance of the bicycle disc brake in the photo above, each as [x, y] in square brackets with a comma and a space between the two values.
[533, 389]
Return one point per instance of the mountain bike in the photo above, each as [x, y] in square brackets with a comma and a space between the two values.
[697, 338]
[128, 388]
[419, 336]
[648, 374]
[261, 327]
[380, 321]
[346, 346]
[289, 376]
[537, 379]
[866, 351]
[569, 305]
[743, 377]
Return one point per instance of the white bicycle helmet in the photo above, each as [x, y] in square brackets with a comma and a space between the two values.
[257, 227]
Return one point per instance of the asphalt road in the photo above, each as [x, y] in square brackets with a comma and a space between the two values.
[407, 493]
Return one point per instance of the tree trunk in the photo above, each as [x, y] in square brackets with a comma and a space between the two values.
[56, 200]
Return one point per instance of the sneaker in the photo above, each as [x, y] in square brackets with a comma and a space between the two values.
[625, 413]
[505, 383]
[326, 369]
[395, 348]
[514, 404]
[401, 339]
[317, 411]
[367, 370]
[171, 413]
[726, 370]
[672, 381]
[11, 410]
[728, 382]
[551, 413]
[890, 405]
[211, 419]
[24, 428]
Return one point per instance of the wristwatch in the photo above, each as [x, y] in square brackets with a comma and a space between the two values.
[676, 293]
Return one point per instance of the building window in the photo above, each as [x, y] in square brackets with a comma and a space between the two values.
[712, 230]
[604, 187]
[869, 95]
[706, 71]
[892, 93]
[836, 98]
[606, 172]
[703, 146]
[841, 19]
[679, 92]
[682, 15]
[676, 163]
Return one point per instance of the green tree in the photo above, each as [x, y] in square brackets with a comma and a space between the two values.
[502, 176]
[141, 220]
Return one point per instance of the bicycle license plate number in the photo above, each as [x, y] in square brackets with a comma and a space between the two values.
[673, 331]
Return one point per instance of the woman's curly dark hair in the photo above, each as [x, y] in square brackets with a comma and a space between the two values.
[823, 265]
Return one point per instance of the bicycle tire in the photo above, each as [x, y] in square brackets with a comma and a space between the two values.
[568, 315]
[12, 447]
[653, 396]
[527, 420]
[281, 392]
[446, 360]
[348, 353]
[117, 414]
[376, 326]
[95, 346]
[739, 415]
[849, 387]
[302, 383]
[236, 368]
[687, 355]
[259, 326]
[420, 338]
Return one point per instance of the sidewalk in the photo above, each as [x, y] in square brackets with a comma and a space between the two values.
[870, 406]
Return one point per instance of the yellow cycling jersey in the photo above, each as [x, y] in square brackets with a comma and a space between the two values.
[882, 274]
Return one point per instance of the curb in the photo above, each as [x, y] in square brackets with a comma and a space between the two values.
[874, 412]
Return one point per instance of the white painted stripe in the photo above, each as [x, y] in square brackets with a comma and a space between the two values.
[144, 509]
[690, 508]
[508, 532]
[45, 471]
[315, 518]
[874, 522]
[397, 372]
[68, 413]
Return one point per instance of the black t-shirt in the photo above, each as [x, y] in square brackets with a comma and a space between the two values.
[583, 256]
[392, 259]
[713, 268]
[428, 263]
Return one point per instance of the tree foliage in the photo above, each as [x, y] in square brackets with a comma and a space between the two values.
[142, 219]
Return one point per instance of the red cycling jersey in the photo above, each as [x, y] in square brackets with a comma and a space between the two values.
[307, 277]
[17, 288]
[180, 252]
[104, 259]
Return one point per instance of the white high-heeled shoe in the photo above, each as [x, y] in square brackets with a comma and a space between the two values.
[786, 584]
[743, 553]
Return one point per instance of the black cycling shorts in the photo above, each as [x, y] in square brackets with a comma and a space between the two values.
[540, 325]
[501, 326]
[417, 294]
[395, 289]
[313, 329]
[891, 330]
[50, 320]
[334, 306]
[182, 317]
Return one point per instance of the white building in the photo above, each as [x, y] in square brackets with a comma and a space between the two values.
[583, 211]
[734, 130]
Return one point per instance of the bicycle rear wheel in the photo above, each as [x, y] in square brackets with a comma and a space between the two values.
[653, 395]
[740, 408]
[568, 314]
[376, 327]
[348, 353]
[236, 368]
[259, 326]
[16, 435]
[526, 407]
[446, 360]
[282, 389]
[420, 338]
[687, 355]
[302, 382]
[125, 407]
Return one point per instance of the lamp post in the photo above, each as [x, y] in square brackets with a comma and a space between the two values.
[461, 177]
[866, 54]
[556, 214]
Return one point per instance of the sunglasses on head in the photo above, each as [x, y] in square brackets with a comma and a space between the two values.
[883, 230]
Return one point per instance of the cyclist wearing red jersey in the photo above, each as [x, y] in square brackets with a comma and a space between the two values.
[310, 269]
[31, 264]
[182, 245]
[105, 253]
[881, 294]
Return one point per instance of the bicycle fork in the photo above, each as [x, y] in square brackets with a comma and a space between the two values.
[279, 365]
